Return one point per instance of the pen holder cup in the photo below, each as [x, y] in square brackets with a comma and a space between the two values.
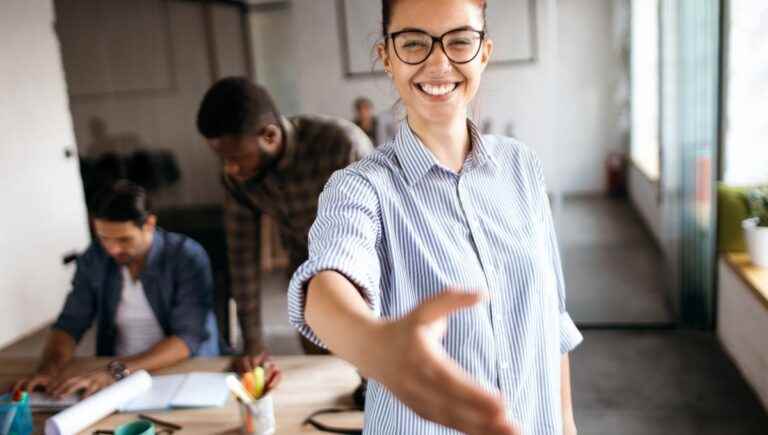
[15, 418]
[258, 418]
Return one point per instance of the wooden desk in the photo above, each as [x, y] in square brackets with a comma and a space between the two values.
[754, 277]
[309, 383]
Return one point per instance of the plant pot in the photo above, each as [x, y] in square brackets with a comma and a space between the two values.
[757, 242]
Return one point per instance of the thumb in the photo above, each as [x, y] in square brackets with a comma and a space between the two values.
[445, 303]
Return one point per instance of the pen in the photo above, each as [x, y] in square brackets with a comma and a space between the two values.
[237, 388]
[160, 422]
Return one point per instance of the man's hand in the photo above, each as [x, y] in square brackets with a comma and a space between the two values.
[569, 428]
[40, 380]
[87, 384]
[246, 363]
[410, 361]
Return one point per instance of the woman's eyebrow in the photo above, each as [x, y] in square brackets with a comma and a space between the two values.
[416, 29]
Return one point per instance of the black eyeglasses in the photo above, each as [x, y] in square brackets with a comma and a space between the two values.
[415, 46]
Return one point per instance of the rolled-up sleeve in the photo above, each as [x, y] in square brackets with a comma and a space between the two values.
[343, 238]
[570, 337]
[192, 299]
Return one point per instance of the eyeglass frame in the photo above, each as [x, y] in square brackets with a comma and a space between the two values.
[439, 39]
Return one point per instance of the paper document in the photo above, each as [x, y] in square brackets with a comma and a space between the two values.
[191, 390]
[94, 408]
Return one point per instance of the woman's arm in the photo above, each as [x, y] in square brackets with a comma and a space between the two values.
[405, 355]
[569, 423]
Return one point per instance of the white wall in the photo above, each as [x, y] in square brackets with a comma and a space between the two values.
[644, 195]
[298, 56]
[43, 206]
[741, 325]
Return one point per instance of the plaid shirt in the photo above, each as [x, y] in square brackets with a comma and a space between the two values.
[315, 147]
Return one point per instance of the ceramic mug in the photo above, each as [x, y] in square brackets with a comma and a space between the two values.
[139, 427]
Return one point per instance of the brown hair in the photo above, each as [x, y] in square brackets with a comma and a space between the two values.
[386, 14]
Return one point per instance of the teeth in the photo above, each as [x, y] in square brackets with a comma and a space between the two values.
[437, 90]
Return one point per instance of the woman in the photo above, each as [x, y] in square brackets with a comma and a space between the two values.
[433, 262]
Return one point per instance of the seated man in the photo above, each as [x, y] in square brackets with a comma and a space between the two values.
[149, 291]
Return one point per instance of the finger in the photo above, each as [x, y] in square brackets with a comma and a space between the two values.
[70, 386]
[259, 359]
[36, 382]
[444, 304]
[274, 381]
[246, 364]
[91, 388]
[470, 405]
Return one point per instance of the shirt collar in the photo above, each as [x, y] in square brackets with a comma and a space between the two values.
[289, 143]
[153, 256]
[416, 160]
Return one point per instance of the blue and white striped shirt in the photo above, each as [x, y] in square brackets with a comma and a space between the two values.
[403, 227]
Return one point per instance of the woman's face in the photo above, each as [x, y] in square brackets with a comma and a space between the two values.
[436, 90]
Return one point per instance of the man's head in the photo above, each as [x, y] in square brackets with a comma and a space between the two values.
[123, 223]
[363, 109]
[241, 124]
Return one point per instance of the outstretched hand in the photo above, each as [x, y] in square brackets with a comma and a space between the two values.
[414, 366]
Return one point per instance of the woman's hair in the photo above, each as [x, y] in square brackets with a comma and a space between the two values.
[123, 201]
[235, 106]
[386, 14]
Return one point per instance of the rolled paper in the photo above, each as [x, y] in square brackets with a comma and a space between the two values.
[88, 411]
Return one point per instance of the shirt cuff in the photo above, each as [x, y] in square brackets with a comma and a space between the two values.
[570, 337]
[297, 292]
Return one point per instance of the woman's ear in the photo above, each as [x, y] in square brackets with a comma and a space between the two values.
[381, 50]
[486, 51]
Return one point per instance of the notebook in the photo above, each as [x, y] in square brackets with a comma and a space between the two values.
[190, 390]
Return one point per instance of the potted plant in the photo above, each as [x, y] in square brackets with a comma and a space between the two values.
[756, 226]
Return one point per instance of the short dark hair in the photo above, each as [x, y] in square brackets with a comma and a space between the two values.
[123, 201]
[235, 106]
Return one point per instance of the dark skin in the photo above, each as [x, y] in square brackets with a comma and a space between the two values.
[244, 157]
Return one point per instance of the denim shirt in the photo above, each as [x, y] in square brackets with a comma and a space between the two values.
[177, 282]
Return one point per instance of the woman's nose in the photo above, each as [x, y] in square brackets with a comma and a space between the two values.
[438, 58]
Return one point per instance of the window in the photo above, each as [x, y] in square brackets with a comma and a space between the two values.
[745, 152]
[644, 147]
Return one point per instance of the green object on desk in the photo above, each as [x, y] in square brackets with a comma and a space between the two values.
[139, 427]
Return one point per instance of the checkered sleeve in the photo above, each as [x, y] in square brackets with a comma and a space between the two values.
[243, 229]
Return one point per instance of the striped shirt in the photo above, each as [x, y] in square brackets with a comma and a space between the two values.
[315, 147]
[402, 227]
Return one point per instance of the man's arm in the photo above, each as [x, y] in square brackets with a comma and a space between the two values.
[58, 352]
[75, 318]
[569, 423]
[166, 352]
[243, 231]
[163, 354]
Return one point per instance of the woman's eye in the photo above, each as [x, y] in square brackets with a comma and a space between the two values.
[459, 42]
[414, 44]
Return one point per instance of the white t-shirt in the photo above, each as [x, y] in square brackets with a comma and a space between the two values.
[137, 327]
